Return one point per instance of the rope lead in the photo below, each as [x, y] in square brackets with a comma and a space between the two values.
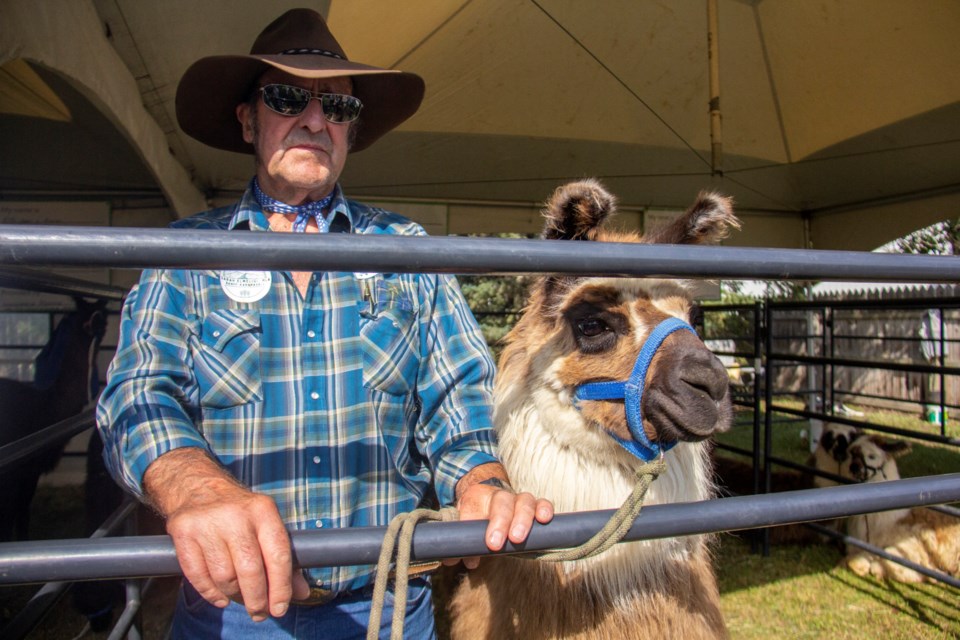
[405, 523]
[619, 523]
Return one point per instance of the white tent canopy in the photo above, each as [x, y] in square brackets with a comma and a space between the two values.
[840, 120]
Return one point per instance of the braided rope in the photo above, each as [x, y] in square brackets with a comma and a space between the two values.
[619, 523]
[399, 536]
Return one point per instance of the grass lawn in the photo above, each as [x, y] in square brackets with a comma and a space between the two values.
[801, 592]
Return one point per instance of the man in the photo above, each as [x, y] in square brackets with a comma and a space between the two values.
[242, 404]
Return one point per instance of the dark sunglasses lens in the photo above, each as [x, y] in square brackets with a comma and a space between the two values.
[285, 99]
[340, 108]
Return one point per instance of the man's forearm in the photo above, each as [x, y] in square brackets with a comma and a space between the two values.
[188, 473]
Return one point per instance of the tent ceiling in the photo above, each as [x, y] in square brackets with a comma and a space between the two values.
[838, 105]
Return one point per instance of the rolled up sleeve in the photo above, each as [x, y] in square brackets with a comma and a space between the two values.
[150, 403]
[455, 387]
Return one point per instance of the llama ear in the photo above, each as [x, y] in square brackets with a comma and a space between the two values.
[576, 210]
[707, 221]
[893, 448]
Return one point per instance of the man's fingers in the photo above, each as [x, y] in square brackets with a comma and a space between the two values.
[251, 577]
[194, 565]
[501, 516]
[544, 511]
[524, 510]
[301, 590]
[278, 564]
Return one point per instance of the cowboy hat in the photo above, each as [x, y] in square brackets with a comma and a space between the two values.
[299, 43]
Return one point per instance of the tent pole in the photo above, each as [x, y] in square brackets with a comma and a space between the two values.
[713, 49]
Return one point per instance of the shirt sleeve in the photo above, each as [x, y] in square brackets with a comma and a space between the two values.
[150, 401]
[455, 386]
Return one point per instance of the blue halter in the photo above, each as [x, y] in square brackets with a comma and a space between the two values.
[630, 391]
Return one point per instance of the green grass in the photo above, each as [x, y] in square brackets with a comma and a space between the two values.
[789, 440]
[801, 592]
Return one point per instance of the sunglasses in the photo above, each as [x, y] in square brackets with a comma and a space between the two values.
[288, 100]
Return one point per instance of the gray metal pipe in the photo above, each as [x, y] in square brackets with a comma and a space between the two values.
[42, 561]
[43, 282]
[142, 248]
[39, 440]
[877, 551]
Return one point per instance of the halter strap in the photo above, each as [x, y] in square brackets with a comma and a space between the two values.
[631, 392]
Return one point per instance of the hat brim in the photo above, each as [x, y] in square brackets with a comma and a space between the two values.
[212, 87]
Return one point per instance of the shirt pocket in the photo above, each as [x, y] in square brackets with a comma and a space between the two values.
[227, 361]
[389, 339]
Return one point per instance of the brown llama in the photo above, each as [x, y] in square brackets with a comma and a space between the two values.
[928, 538]
[574, 448]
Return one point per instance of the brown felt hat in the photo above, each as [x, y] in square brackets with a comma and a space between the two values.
[299, 43]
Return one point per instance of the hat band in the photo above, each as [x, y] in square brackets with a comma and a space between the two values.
[312, 52]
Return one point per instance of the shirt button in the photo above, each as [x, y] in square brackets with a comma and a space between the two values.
[316, 459]
[319, 524]
[216, 334]
[314, 395]
[311, 334]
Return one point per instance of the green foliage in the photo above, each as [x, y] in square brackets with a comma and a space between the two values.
[940, 239]
[496, 301]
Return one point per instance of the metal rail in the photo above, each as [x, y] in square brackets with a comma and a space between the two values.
[39, 440]
[42, 282]
[877, 551]
[26, 562]
[143, 248]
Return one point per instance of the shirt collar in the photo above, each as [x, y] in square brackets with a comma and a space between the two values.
[250, 215]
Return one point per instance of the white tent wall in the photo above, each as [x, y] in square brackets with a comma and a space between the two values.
[840, 119]
[67, 36]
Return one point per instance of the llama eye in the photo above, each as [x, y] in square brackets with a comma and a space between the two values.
[591, 327]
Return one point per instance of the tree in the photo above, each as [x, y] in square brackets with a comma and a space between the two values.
[496, 301]
[940, 239]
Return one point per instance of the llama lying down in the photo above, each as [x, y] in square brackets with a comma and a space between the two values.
[926, 537]
[562, 439]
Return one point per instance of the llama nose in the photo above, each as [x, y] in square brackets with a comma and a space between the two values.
[704, 372]
[688, 398]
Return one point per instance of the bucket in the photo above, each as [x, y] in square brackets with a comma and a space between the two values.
[933, 415]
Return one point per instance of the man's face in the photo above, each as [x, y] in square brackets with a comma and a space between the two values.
[299, 158]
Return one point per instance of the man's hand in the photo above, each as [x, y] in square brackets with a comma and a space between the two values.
[230, 541]
[510, 515]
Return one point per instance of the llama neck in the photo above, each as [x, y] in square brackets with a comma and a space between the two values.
[70, 392]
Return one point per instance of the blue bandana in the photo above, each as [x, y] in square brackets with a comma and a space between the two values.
[304, 211]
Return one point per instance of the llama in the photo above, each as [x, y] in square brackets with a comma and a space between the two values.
[61, 390]
[576, 331]
[831, 452]
[923, 536]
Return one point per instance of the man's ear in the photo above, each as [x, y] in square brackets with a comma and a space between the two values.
[246, 121]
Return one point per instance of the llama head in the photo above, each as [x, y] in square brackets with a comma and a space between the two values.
[582, 330]
[835, 440]
[872, 458]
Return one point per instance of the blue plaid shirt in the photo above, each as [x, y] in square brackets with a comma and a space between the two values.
[344, 405]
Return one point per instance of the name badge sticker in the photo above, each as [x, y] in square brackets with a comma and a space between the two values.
[245, 286]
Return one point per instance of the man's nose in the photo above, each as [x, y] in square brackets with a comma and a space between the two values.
[312, 117]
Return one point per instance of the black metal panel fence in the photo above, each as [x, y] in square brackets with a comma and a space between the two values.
[43, 246]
